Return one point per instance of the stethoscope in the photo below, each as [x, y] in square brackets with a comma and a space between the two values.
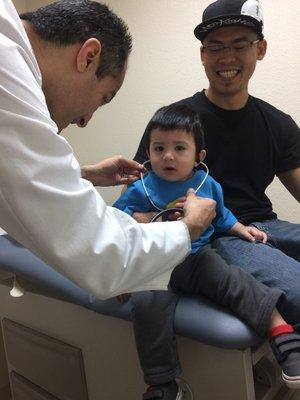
[161, 211]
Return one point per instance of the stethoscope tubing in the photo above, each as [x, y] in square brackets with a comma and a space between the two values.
[161, 210]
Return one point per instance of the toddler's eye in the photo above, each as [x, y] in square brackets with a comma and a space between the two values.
[158, 149]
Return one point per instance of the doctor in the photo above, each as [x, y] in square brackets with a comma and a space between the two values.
[58, 65]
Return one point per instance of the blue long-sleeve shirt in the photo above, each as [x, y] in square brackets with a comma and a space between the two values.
[165, 193]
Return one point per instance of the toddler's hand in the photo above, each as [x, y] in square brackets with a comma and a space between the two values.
[180, 202]
[251, 234]
[123, 298]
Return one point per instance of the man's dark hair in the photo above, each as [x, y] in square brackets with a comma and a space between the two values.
[67, 22]
[177, 116]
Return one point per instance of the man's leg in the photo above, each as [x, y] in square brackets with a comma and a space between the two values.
[269, 264]
[153, 317]
[283, 235]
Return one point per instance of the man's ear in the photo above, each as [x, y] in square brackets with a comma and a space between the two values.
[202, 55]
[261, 49]
[88, 55]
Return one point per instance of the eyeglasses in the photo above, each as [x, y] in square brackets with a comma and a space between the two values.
[238, 47]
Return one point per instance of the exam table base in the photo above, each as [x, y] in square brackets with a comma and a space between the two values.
[110, 359]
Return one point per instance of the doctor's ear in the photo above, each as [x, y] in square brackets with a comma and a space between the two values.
[88, 55]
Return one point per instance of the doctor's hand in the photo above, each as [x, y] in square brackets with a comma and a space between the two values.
[198, 214]
[112, 171]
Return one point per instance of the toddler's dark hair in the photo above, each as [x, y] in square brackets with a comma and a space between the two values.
[177, 116]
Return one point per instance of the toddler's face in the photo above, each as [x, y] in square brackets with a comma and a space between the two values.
[172, 154]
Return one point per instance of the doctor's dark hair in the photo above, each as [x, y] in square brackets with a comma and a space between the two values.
[177, 116]
[67, 22]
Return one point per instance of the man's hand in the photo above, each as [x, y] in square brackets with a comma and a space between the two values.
[198, 214]
[112, 171]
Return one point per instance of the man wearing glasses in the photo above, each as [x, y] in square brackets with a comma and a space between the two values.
[248, 142]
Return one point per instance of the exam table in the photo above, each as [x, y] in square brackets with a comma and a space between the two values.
[59, 342]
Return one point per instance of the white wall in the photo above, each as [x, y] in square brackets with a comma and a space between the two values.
[165, 67]
[21, 5]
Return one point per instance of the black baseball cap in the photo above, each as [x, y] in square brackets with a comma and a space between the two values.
[223, 13]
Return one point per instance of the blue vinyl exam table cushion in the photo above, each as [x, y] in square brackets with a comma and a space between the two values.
[196, 317]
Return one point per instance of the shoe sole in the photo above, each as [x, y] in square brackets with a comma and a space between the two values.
[292, 383]
[179, 394]
[185, 392]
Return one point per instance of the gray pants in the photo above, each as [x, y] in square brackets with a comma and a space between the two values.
[207, 274]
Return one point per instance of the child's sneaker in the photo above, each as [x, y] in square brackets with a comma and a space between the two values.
[286, 348]
[174, 390]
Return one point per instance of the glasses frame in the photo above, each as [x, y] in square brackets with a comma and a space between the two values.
[231, 47]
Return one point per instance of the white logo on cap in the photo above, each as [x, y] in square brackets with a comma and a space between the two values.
[253, 9]
[227, 21]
